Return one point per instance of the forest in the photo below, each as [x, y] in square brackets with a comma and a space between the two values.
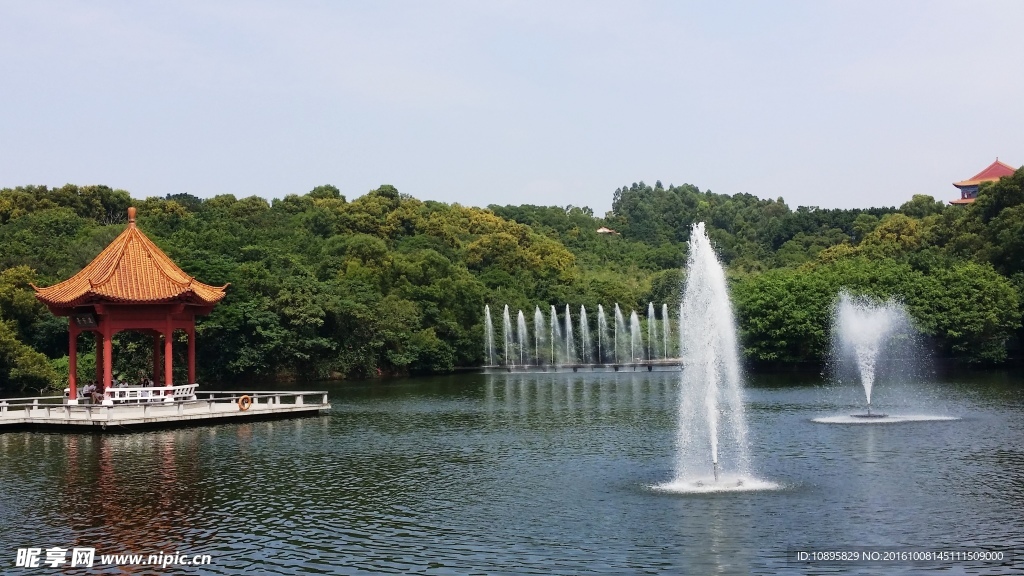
[386, 284]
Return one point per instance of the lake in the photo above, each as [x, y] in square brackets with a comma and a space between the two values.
[535, 474]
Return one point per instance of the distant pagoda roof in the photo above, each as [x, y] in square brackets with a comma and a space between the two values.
[130, 270]
[994, 171]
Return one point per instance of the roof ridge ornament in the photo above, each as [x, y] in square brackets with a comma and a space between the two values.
[131, 216]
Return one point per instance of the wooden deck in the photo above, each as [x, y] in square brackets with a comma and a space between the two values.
[51, 412]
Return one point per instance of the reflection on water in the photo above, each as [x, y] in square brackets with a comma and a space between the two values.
[526, 473]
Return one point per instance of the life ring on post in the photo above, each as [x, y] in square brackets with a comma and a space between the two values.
[244, 402]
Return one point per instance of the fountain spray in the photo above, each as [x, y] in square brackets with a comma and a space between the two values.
[710, 406]
[862, 326]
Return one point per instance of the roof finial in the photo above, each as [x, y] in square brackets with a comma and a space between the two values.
[131, 216]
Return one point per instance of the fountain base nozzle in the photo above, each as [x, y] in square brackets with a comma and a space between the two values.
[869, 414]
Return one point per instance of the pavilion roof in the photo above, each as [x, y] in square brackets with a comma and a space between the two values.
[994, 171]
[130, 270]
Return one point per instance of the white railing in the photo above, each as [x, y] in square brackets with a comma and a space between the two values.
[263, 397]
[150, 393]
[29, 402]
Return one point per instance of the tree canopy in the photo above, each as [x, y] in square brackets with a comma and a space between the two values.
[323, 286]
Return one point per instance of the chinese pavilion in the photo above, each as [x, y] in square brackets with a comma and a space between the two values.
[969, 188]
[130, 285]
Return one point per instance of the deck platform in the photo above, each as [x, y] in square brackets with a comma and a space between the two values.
[53, 413]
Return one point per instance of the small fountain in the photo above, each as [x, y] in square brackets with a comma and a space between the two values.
[866, 332]
[488, 335]
[861, 327]
[713, 455]
[562, 342]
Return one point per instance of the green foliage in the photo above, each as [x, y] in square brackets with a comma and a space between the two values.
[21, 367]
[388, 284]
[785, 314]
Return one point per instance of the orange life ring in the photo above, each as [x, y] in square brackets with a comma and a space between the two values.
[244, 402]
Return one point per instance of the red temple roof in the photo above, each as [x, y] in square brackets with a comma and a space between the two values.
[131, 270]
[995, 171]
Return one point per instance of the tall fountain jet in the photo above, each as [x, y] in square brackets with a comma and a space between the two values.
[556, 336]
[636, 345]
[665, 329]
[506, 329]
[538, 333]
[861, 328]
[712, 434]
[620, 332]
[652, 329]
[488, 335]
[602, 334]
[570, 348]
[585, 342]
[521, 333]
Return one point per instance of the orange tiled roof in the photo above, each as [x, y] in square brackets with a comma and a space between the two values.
[995, 171]
[963, 201]
[132, 269]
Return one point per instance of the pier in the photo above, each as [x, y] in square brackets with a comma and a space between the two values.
[208, 407]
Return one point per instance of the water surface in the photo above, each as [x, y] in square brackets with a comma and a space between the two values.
[531, 474]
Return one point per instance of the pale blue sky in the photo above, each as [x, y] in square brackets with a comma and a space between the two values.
[834, 104]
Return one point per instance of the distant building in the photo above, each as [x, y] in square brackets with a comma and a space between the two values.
[603, 230]
[969, 188]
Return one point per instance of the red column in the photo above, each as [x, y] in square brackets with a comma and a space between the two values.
[168, 355]
[192, 355]
[156, 358]
[108, 372]
[99, 356]
[72, 360]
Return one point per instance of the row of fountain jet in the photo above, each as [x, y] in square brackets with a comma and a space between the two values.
[553, 342]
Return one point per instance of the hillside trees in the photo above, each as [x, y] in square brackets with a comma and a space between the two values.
[385, 283]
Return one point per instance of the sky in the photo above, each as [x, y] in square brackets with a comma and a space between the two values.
[824, 103]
